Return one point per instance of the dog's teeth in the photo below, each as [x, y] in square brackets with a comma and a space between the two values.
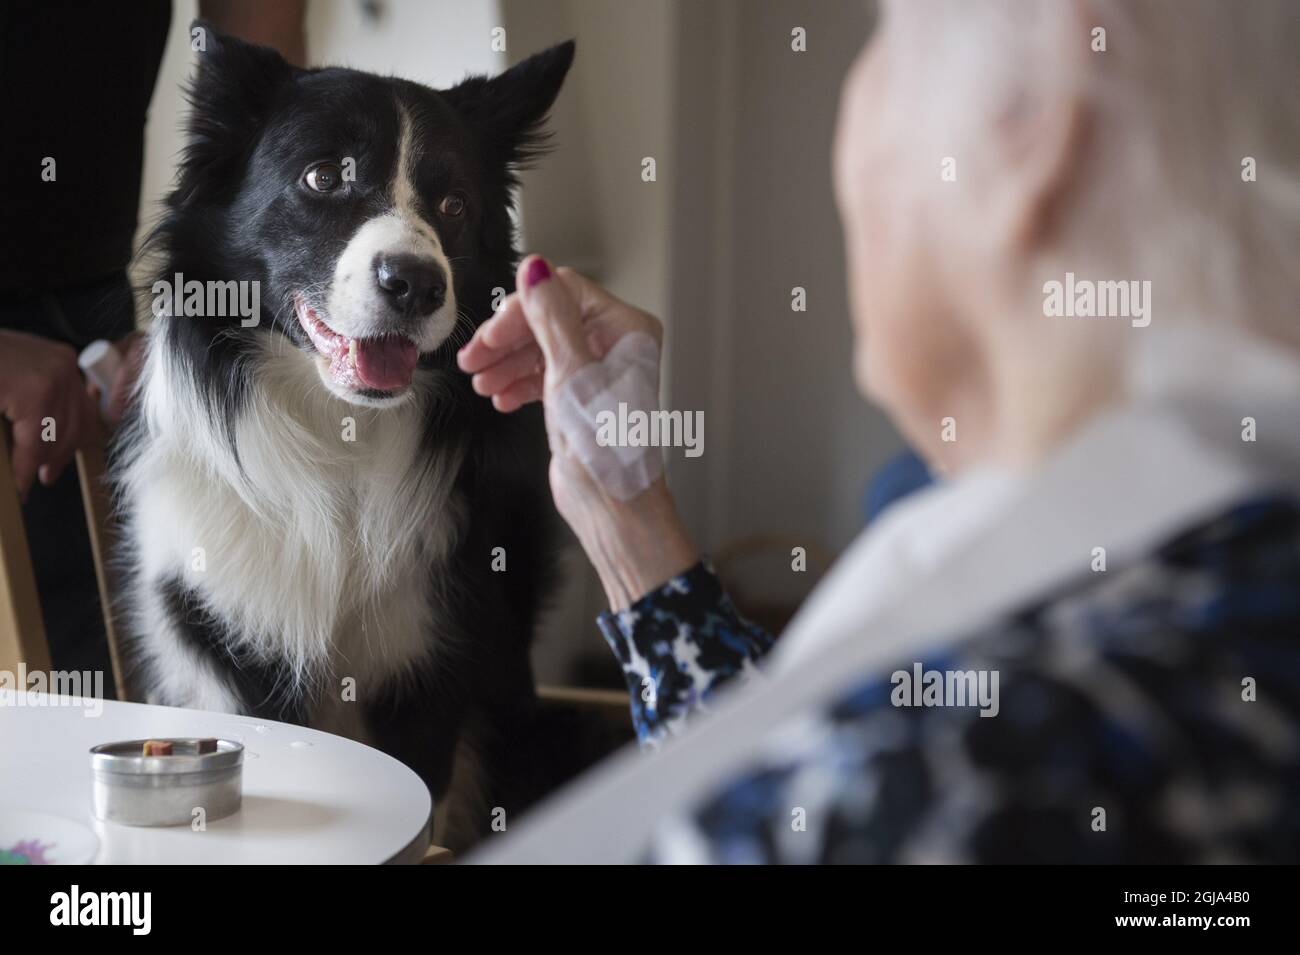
[352, 352]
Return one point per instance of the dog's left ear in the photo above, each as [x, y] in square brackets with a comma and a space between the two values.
[509, 110]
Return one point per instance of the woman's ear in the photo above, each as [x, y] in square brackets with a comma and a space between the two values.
[1039, 135]
[509, 110]
[1043, 156]
[230, 95]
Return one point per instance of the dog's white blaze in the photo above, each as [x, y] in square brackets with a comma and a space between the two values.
[354, 299]
[317, 552]
[403, 187]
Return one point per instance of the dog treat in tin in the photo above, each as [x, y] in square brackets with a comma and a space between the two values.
[166, 782]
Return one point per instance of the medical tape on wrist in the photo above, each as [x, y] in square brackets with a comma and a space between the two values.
[595, 402]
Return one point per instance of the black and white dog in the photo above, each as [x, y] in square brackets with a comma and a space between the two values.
[322, 523]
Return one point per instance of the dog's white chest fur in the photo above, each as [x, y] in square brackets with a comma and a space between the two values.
[314, 548]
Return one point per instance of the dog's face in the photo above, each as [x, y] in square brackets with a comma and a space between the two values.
[371, 208]
[365, 198]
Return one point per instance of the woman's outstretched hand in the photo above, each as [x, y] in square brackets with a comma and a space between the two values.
[557, 323]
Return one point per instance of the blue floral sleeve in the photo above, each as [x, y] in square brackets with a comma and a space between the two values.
[677, 645]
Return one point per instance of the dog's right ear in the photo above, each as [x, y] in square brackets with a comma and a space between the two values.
[232, 89]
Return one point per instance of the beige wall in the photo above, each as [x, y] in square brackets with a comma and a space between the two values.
[801, 441]
[586, 204]
[789, 444]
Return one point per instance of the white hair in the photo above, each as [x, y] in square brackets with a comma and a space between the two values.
[1185, 95]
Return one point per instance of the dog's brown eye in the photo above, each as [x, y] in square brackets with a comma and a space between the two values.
[324, 178]
[452, 204]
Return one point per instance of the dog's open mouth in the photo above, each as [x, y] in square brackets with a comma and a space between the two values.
[383, 363]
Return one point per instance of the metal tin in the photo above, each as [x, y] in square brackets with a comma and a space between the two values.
[137, 790]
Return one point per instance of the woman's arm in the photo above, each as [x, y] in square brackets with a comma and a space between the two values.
[634, 546]
[674, 630]
[677, 645]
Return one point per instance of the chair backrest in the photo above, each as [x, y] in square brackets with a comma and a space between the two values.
[22, 628]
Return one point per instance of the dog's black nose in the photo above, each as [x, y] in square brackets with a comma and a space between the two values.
[411, 284]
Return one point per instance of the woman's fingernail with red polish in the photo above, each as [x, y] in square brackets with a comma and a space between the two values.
[538, 271]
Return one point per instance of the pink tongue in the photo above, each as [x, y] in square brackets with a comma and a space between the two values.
[386, 364]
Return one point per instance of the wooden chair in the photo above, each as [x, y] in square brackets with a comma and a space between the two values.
[22, 627]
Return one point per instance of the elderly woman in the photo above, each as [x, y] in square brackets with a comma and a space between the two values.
[1073, 239]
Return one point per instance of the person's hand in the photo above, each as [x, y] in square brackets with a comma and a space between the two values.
[541, 335]
[506, 359]
[44, 398]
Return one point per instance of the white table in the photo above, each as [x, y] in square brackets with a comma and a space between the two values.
[309, 797]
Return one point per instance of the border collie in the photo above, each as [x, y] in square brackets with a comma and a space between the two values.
[322, 523]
